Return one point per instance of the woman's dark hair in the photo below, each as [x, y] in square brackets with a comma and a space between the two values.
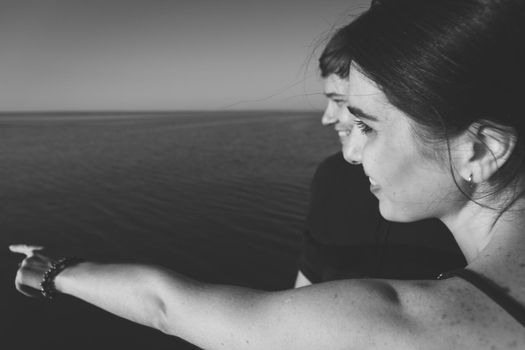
[446, 63]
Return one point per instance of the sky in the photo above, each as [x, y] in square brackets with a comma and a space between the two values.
[93, 55]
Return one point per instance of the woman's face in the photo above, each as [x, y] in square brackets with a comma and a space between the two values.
[409, 186]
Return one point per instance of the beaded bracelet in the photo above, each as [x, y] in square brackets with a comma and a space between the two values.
[47, 286]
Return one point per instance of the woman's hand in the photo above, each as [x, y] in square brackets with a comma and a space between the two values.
[31, 270]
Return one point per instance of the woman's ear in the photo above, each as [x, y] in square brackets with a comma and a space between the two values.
[488, 146]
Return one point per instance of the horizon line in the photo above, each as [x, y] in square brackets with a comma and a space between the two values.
[157, 111]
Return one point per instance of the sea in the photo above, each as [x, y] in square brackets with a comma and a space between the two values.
[217, 196]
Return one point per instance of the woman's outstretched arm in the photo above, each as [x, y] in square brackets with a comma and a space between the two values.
[345, 314]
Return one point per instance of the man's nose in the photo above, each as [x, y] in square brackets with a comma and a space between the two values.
[329, 116]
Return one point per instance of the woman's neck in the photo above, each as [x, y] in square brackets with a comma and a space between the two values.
[475, 228]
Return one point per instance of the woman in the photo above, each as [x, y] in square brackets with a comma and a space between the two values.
[345, 235]
[435, 88]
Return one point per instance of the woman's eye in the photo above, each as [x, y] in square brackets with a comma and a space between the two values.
[365, 129]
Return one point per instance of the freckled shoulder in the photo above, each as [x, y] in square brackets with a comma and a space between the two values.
[454, 314]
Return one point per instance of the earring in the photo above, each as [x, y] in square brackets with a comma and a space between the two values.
[470, 181]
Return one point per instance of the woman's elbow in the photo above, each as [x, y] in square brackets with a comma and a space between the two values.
[155, 299]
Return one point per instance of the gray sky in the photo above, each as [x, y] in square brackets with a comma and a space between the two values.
[163, 54]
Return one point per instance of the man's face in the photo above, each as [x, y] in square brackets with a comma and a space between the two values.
[336, 112]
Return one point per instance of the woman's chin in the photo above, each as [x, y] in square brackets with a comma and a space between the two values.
[393, 213]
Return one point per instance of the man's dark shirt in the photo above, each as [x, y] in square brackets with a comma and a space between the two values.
[346, 237]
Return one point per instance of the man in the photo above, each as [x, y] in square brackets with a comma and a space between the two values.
[346, 237]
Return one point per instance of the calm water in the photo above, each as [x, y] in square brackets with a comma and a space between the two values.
[218, 196]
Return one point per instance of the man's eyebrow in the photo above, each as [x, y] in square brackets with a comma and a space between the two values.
[360, 114]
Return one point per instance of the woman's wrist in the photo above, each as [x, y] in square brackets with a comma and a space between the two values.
[47, 285]
[63, 281]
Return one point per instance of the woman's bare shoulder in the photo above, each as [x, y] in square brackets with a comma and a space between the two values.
[431, 314]
[456, 314]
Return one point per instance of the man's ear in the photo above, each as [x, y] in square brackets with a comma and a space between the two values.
[488, 146]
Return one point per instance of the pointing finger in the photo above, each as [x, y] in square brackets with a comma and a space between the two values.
[28, 250]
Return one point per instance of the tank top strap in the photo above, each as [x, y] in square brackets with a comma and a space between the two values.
[492, 290]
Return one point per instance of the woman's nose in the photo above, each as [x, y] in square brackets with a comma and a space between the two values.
[353, 148]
